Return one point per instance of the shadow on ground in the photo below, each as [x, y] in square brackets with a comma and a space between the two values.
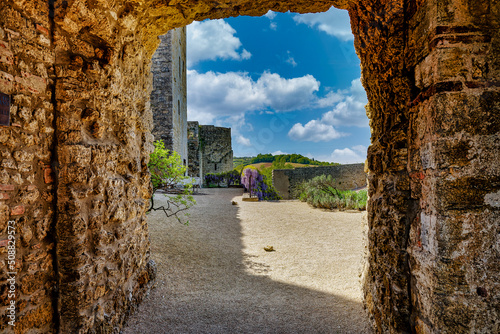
[204, 285]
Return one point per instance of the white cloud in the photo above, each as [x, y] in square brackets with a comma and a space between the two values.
[243, 141]
[314, 131]
[291, 60]
[330, 99]
[270, 15]
[350, 111]
[334, 22]
[213, 39]
[355, 154]
[211, 95]
[279, 153]
[287, 94]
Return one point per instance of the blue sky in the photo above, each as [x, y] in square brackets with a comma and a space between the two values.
[284, 83]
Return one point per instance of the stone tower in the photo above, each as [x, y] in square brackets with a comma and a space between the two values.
[210, 149]
[216, 149]
[168, 98]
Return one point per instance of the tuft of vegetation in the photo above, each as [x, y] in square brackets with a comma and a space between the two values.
[320, 192]
[168, 173]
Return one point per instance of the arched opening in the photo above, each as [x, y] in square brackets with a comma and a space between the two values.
[212, 101]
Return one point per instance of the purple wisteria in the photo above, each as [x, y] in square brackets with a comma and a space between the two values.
[255, 184]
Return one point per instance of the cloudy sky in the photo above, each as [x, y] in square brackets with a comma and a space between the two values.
[284, 83]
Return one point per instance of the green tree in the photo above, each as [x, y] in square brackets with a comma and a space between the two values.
[167, 173]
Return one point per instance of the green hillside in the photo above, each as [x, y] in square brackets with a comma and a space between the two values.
[282, 159]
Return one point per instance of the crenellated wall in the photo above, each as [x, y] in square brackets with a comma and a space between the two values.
[74, 178]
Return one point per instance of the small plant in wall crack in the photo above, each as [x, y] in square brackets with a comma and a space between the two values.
[168, 174]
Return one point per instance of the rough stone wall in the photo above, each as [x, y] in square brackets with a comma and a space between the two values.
[169, 95]
[454, 165]
[216, 149]
[195, 166]
[380, 30]
[103, 131]
[162, 93]
[26, 175]
[431, 71]
[346, 177]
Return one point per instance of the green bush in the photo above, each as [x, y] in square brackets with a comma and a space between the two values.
[320, 192]
[168, 173]
[231, 178]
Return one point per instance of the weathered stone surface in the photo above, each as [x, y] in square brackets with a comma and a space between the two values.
[209, 149]
[347, 177]
[169, 95]
[26, 60]
[80, 86]
[195, 161]
[216, 149]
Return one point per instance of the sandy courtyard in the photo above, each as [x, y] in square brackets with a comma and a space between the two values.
[214, 275]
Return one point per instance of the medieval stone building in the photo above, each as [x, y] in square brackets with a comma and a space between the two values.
[74, 182]
[210, 149]
[216, 149]
[168, 98]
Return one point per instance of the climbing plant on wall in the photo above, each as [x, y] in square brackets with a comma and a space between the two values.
[255, 183]
[225, 179]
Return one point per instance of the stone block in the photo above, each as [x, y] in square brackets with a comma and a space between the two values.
[6, 55]
[464, 194]
[7, 83]
[77, 154]
[28, 82]
[48, 177]
[18, 210]
[7, 187]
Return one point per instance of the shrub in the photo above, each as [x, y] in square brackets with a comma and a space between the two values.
[320, 192]
[168, 172]
[226, 178]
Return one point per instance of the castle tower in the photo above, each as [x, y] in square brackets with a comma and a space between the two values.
[168, 98]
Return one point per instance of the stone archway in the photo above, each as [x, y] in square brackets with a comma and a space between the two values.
[431, 72]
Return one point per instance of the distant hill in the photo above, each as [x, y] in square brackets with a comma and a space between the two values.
[297, 160]
[259, 165]
[237, 161]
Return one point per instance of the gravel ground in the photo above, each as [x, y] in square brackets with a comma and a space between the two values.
[214, 275]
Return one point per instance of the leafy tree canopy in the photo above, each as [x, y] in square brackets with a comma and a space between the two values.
[169, 174]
